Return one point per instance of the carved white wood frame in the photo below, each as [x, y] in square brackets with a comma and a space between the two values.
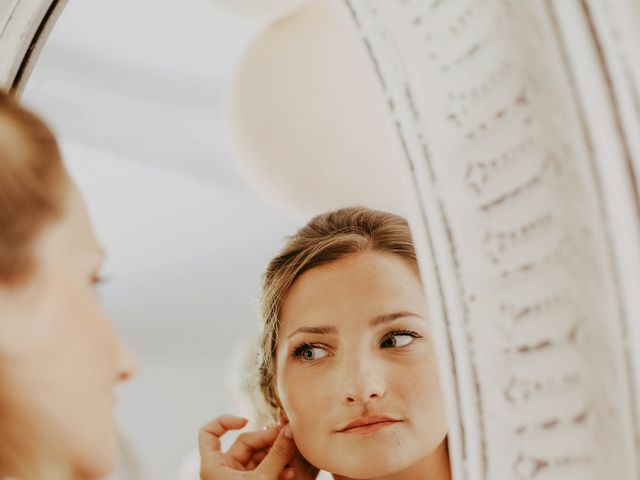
[519, 127]
[24, 26]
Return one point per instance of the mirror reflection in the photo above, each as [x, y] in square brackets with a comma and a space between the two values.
[154, 225]
[347, 334]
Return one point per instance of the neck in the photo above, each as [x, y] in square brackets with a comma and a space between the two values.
[434, 466]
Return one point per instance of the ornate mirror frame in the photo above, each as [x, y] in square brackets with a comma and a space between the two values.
[24, 27]
[518, 124]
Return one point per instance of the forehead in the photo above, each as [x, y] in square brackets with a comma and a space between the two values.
[354, 290]
[71, 236]
[78, 221]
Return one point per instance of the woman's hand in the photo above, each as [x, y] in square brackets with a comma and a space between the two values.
[260, 455]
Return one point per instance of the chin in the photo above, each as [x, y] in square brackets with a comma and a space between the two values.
[97, 467]
[366, 470]
[96, 461]
[369, 464]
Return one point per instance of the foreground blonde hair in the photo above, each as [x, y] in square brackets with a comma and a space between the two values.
[32, 188]
[325, 239]
[33, 183]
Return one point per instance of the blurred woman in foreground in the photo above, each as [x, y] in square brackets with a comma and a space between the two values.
[59, 356]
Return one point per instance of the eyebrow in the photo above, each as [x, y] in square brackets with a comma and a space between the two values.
[390, 317]
[321, 330]
[379, 320]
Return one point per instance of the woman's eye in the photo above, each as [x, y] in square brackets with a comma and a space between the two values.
[98, 280]
[309, 352]
[397, 340]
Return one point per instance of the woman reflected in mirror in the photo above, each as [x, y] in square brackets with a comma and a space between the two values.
[347, 360]
[60, 359]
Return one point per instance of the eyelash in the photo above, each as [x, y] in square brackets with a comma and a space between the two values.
[98, 280]
[409, 333]
[300, 349]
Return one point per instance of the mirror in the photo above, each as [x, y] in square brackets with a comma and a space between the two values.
[24, 28]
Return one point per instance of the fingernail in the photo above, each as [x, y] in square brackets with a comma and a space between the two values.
[287, 431]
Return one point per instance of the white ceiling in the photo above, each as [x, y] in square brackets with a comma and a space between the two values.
[155, 68]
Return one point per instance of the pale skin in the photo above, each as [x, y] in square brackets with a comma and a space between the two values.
[262, 455]
[355, 343]
[55, 338]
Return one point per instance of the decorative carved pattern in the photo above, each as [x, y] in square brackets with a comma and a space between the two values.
[521, 266]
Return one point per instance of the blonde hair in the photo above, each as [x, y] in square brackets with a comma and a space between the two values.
[32, 188]
[32, 181]
[326, 238]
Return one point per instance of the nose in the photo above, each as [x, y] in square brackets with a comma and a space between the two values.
[127, 364]
[362, 380]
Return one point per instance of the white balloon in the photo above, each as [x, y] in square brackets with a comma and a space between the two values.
[271, 9]
[308, 122]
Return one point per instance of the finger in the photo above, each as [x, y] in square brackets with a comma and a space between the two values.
[249, 443]
[279, 455]
[259, 456]
[288, 473]
[209, 435]
[256, 458]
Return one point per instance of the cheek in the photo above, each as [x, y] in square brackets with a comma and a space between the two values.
[80, 343]
[303, 394]
[423, 395]
[418, 381]
[89, 335]
[84, 378]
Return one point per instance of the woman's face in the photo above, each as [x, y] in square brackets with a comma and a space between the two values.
[356, 369]
[61, 358]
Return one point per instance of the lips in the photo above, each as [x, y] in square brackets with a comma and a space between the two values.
[368, 424]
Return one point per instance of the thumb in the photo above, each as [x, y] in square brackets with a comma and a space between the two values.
[279, 455]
